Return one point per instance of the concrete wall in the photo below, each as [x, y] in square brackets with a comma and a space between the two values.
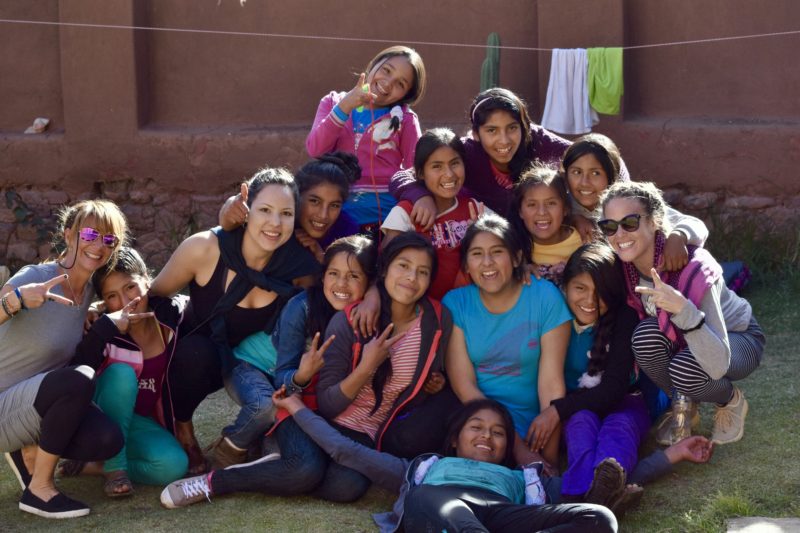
[166, 122]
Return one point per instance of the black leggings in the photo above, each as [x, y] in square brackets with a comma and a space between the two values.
[195, 372]
[71, 426]
[455, 508]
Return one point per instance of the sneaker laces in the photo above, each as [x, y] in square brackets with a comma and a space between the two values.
[723, 418]
[195, 487]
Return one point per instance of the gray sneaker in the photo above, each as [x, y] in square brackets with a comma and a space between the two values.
[186, 491]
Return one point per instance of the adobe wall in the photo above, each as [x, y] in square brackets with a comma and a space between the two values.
[166, 123]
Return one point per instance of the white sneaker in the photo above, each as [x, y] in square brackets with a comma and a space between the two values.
[186, 492]
[729, 420]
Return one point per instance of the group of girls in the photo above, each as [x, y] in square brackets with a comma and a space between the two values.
[545, 306]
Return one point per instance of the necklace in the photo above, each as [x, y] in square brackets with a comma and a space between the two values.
[76, 299]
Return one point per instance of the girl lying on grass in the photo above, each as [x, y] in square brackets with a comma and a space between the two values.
[471, 486]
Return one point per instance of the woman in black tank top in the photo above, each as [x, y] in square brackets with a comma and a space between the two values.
[238, 282]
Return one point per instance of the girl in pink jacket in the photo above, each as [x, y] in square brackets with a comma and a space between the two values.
[374, 121]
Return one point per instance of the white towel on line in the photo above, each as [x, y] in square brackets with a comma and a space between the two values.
[567, 109]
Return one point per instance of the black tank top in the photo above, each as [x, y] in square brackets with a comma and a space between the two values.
[240, 322]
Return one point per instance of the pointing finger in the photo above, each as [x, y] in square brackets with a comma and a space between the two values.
[49, 284]
[645, 290]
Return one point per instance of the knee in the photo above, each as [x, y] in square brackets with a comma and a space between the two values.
[108, 440]
[305, 474]
[73, 382]
[598, 518]
[121, 378]
[584, 418]
[171, 464]
[646, 335]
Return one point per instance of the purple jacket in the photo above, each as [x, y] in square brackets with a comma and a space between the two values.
[546, 147]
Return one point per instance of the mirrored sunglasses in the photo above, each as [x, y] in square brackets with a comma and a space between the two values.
[90, 235]
[629, 223]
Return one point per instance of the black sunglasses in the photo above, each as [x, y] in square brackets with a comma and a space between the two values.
[629, 223]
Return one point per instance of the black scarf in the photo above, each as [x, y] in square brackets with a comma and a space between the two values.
[289, 261]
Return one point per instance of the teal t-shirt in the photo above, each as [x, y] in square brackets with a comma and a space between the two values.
[478, 474]
[505, 348]
[258, 350]
[580, 343]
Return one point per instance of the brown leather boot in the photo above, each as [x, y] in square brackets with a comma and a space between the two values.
[222, 454]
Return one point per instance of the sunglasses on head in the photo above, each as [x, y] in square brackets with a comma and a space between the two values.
[90, 235]
[629, 223]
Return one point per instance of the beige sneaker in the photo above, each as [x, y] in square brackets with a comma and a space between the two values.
[664, 425]
[222, 453]
[729, 420]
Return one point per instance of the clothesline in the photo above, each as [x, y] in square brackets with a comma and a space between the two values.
[384, 41]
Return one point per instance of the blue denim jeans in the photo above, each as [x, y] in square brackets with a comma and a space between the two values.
[304, 468]
[252, 390]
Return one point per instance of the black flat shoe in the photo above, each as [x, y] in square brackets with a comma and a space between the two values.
[59, 506]
[17, 465]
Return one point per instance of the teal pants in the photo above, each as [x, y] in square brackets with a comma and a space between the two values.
[151, 454]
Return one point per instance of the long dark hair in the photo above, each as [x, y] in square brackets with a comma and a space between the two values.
[460, 418]
[599, 261]
[357, 247]
[499, 99]
[408, 239]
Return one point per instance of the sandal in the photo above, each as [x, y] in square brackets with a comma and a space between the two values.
[70, 468]
[118, 486]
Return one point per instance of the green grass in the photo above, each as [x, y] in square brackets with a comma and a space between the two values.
[758, 476]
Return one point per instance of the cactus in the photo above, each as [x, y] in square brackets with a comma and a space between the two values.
[490, 70]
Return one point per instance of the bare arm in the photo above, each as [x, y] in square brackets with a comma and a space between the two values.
[551, 379]
[459, 368]
[190, 258]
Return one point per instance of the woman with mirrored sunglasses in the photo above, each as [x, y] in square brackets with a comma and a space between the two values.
[696, 336]
[45, 408]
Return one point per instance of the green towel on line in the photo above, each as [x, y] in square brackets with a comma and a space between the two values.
[604, 77]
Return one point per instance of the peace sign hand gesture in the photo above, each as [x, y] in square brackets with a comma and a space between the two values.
[377, 350]
[312, 361]
[663, 295]
[36, 294]
[357, 96]
[124, 317]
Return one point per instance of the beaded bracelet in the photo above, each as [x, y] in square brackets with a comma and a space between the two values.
[19, 297]
[5, 306]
